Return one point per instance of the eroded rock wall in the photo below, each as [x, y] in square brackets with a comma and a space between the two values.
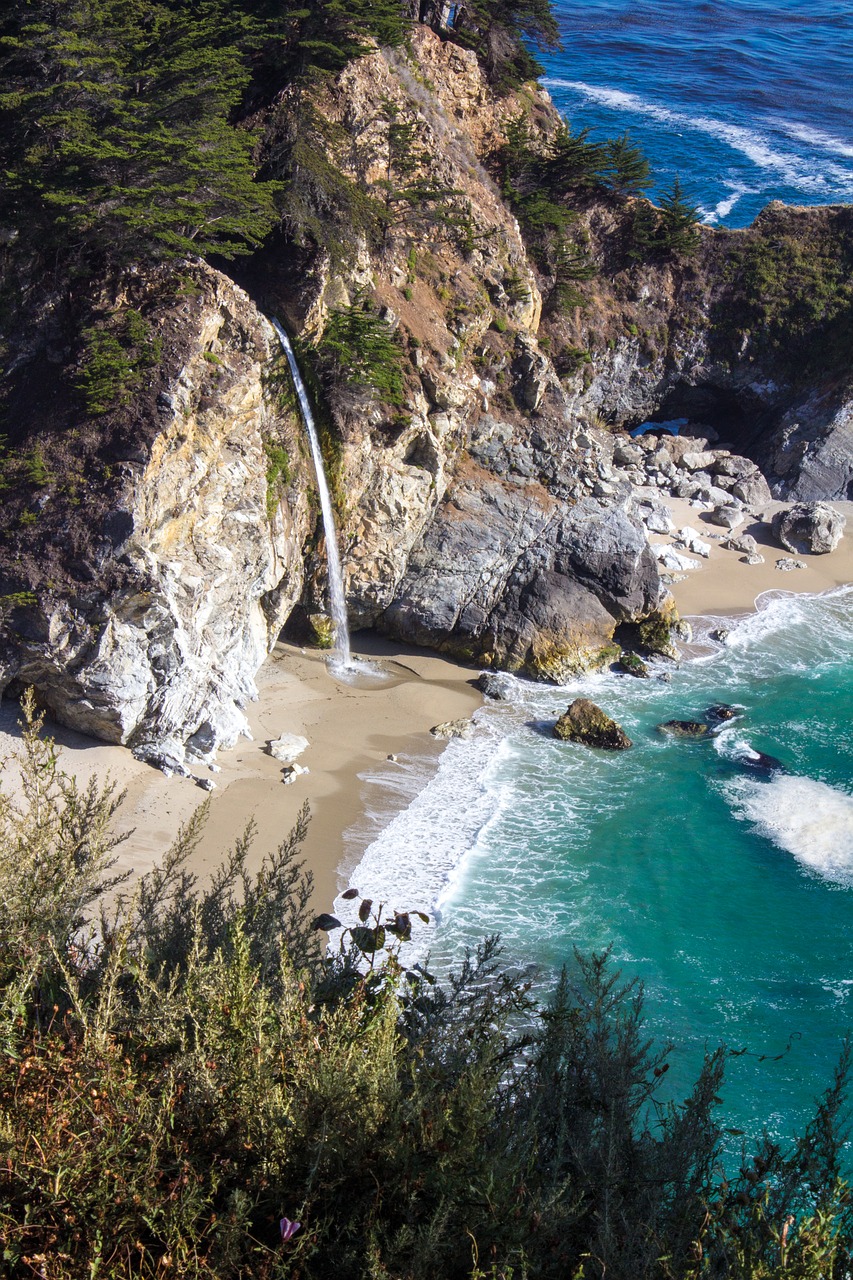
[150, 563]
[172, 599]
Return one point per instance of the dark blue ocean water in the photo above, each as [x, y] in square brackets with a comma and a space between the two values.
[746, 100]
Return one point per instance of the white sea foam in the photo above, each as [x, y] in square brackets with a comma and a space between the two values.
[788, 618]
[801, 172]
[803, 816]
[723, 207]
[814, 137]
[409, 862]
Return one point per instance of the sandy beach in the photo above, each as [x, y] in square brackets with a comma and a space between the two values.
[352, 729]
[725, 585]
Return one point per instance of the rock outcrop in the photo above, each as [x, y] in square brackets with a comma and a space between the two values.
[154, 551]
[166, 606]
[586, 723]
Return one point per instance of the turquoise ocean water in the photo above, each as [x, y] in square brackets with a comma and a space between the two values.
[729, 894]
[748, 100]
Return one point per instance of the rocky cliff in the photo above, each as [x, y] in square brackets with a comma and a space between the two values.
[153, 547]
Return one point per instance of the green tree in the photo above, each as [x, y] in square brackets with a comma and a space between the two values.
[116, 133]
[503, 32]
[679, 222]
[361, 352]
[627, 171]
[572, 162]
[671, 230]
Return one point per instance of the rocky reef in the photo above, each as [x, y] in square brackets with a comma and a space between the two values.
[152, 550]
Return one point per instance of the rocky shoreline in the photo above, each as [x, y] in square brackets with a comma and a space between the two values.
[501, 514]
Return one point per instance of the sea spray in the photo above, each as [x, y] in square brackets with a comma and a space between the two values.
[337, 598]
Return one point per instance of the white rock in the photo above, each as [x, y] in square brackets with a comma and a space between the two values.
[291, 772]
[786, 564]
[287, 747]
[697, 461]
[693, 542]
[659, 521]
[674, 560]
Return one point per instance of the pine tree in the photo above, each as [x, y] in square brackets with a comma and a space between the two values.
[627, 169]
[679, 221]
[116, 133]
[573, 162]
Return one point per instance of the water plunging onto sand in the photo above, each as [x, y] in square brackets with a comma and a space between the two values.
[337, 599]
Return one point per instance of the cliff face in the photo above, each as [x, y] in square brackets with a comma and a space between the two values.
[154, 604]
[152, 551]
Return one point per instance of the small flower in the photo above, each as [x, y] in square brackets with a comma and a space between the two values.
[288, 1228]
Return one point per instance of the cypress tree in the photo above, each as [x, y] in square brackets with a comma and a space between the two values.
[627, 169]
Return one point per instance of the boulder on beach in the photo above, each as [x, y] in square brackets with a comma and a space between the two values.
[494, 684]
[727, 516]
[287, 747]
[809, 528]
[586, 723]
[454, 729]
[684, 728]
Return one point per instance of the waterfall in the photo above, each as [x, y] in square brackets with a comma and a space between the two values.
[337, 600]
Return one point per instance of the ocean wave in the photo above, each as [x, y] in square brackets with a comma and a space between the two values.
[806, 818]
[801, 172]
[408, 864]
[813, 137]
[723, 207]
[804, 629]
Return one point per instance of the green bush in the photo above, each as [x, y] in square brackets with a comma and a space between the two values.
[114, 359]
[359, 351]
[183, 1065]
[278, 474]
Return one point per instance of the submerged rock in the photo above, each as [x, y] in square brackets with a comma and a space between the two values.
[721, 711]
[759, 762]
[684, 728]
[586, 723]
[632, 664]
[809, 528]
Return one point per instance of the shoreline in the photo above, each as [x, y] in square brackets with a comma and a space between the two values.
[352, 729]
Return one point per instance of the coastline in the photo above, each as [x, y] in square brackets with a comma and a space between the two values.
[353, 729]
[725, 586]
[350, 730]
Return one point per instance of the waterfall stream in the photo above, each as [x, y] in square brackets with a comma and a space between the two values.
[337, 599]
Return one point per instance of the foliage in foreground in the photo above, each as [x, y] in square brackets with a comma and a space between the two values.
[177, 1080]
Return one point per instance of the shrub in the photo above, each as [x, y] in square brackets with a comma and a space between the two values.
[193, 1068]
[360, 350]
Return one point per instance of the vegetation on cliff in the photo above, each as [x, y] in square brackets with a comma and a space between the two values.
[185, 1079]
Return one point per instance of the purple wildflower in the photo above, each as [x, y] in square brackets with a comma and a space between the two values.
[288, 1228]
